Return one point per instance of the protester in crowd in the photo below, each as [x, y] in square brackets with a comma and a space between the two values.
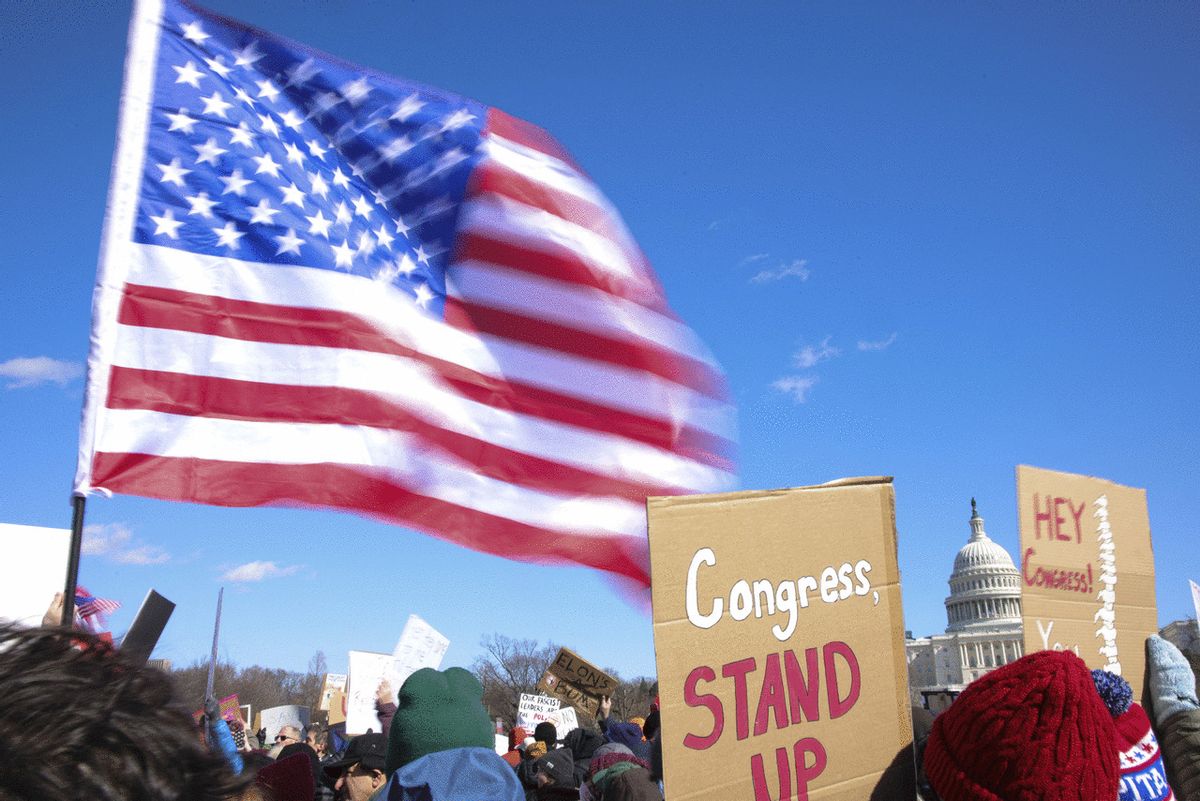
[1034, 729]
[617, 775]
[627, 734]
[385, 705]
[217, 735]
[81, 722]
[289, 778]
[318, 792]
[555, 777]
[547, 733]
[1176, 710]
[441, 743]
[360, 772]
[582, 743]
[315, 738]
[516, 739]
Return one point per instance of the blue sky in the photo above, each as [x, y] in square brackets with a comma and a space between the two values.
[931, 242]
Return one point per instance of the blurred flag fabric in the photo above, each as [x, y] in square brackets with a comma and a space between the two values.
[322, 285]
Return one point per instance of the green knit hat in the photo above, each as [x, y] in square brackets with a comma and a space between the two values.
[436, 711]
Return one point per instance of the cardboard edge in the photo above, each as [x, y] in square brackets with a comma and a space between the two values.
[667, 501]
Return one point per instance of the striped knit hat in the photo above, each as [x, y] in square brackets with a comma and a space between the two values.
[1143, 776]
[1033, 730]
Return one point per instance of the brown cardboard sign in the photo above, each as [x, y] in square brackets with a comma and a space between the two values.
[574, 681]
[779, 637]
[1087, 570]
[337, 707]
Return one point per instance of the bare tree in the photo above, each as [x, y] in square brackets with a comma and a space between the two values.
[260, 686]
[507, 668]
[633, 697]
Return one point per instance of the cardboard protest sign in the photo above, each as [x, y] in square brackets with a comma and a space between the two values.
[535, 709]
[35, 569]
[1087, 569]
[333, 682]
[337, 707]
[276, 717]
[779, 637]
[573, 680]
[420, 646]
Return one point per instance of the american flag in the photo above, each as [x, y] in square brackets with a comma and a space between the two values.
[92, 611]
[326, 286]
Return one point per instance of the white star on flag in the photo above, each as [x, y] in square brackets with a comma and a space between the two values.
[289, 243]
[189, 74]
[343, 254]
[215, 104]
[234, 183]
[173, 173]
[167, 224]
[263, 213]
[228, 235]
[201, 204]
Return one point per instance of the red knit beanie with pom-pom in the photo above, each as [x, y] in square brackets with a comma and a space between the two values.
[1033, 730]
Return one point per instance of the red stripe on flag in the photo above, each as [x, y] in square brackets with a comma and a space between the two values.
[528, 135]
[542, 333]
[205, 396]
[356, 489]
[171, 309]
[559, 263]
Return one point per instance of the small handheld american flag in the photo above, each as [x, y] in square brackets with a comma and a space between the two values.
[91, 611]
[327, 286]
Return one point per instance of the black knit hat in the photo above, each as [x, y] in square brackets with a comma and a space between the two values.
[546, 732]
[558, 766]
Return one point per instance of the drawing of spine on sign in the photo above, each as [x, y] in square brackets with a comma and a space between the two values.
[1106, 615]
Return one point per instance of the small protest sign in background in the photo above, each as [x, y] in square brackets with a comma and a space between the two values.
[535, 709]
[1087, 570]
[778, 631]
[574, 681]
[420, 646]
[276, 717]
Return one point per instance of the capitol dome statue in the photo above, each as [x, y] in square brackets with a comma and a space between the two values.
[983, 614]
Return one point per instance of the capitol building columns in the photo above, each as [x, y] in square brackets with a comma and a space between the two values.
[983, 617]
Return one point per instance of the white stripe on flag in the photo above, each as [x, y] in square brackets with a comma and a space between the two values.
[396, 455]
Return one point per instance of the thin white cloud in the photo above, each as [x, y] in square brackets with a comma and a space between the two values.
[143, 555]
[795, 386]
[257, 571]
[37, 370]
[882, 344]
[753, 258]
[812, 355]
[796, 269]
[116, 543]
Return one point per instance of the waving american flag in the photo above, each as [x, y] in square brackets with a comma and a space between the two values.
[327, 286]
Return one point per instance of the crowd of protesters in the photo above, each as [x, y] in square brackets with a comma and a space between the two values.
[79, 721]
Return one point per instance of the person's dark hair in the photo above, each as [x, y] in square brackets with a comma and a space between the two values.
[79, 721]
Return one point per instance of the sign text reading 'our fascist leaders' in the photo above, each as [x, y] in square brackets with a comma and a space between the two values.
[778, 635]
